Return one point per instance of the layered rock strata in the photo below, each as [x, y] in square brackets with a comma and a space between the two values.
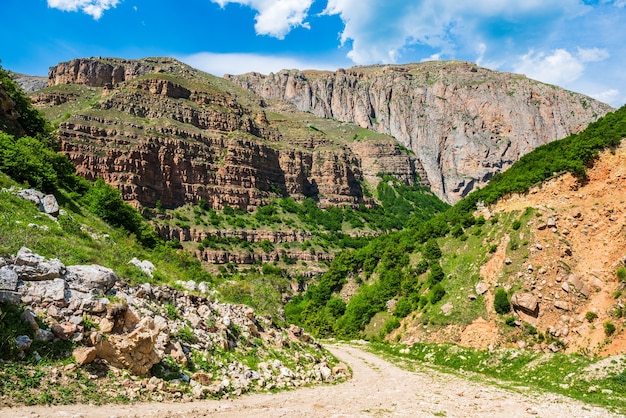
[162, 131]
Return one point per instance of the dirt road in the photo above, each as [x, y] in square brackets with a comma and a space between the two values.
[377, 389]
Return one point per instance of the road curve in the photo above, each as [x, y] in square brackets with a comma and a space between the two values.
[377, 389]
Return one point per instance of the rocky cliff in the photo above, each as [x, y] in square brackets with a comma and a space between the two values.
[162, 131]
[464, 123]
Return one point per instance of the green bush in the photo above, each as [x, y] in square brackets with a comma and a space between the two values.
[501, 302]
[621, 274]
[437, 292]
[590, 316]
[403, 307]
[390, 325]
[106, 202]
[609, 328]
[30, 121]
[431, 250]
[436, 273]
[510, 320]
[266, 246]
[29, 160]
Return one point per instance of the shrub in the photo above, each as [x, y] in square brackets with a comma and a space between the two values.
[436, 273]
[516, 224]
[431, 250]
[390, 325]
[510, 320]
[621, 274]
[336, 307]
[501, 302]
[186, 334]
[266, 246]
[591, 316]
[403, 307]
[437, 292]
[30, 160]
[609, 328]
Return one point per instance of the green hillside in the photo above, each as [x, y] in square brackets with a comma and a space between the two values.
[429, 264]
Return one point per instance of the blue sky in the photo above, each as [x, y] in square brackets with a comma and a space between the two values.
[576, 44]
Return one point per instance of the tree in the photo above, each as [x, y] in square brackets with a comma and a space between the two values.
[501, 302]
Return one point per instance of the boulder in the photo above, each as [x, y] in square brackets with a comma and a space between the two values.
[90, 279]
[32, 195]
[44, 335]
[29, 317]
[202, 378]
[64, 331]
[84, 355]
[341, 370]
[525, 302]
[8, 279]
[49, 205]
[133, 351]
[23, 342]
[146, 266]
[10, 297]
[327, 373]
[31, 267]
[176, 351]
[481, 288]
[43, 291]
[561, 304]
[579, 285]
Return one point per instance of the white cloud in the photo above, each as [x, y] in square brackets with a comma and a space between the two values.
[608, 96]
[382, 30]
[93, 8]
[592, 54]
[275, 17]
[239, 63]
[559, 67]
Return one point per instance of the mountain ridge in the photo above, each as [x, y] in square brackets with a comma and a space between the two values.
[464, 123]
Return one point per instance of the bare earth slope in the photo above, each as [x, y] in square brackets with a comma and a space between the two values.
[378, 388]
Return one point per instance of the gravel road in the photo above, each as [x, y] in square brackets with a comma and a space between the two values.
[377, 389]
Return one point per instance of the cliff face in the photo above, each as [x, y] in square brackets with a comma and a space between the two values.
[161, 131]
[464, 123]
[99, 72]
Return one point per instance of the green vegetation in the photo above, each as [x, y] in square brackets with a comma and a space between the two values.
[609, 328]
[29, 121]
[590, 316]
[407, 265]
[501, 302]
[97, 225]
[566, 374]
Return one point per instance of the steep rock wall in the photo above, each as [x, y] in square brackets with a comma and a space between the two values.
[464, 123]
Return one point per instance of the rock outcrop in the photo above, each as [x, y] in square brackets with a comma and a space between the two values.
[464, 123]
[161, 131]
[136, 328]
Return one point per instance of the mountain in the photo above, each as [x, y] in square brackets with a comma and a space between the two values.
[464, 123]
[162, 131]
[535, 260]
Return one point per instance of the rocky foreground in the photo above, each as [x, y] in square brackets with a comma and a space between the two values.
[144, 342]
